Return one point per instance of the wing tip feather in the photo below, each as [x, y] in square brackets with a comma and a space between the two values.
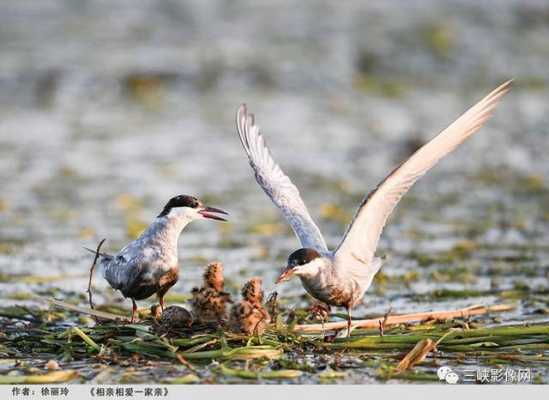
[501, 90]
[480, 113]
[241, 118]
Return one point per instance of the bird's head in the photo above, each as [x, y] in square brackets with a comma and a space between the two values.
[252, 291]
[189, 208]
[302, 262]
[213, 276]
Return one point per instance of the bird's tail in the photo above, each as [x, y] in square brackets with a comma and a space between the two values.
[98, 252]
[101, 258]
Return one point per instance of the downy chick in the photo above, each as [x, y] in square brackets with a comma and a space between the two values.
[209, 302]
[249, 316]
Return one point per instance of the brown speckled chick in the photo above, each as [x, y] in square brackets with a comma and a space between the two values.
[209, 302]
[176, 317]
[249, 316]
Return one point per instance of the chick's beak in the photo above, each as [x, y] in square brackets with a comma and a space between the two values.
[286, 275]
[210, 213]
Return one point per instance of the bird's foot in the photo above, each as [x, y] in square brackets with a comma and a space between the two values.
[319, 311]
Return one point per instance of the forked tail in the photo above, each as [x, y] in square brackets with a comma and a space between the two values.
[97, 252]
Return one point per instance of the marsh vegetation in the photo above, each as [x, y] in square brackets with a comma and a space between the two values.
[107, 111]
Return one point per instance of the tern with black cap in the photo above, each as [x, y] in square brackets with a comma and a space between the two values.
[149, 264]
[341, 277]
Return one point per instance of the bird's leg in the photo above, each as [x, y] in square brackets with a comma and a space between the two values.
[134, 309]
[161, 301]
[349, 321]
[321, 311]
[163, 290]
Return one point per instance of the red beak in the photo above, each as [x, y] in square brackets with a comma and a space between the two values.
[210, 213]
[286, 275]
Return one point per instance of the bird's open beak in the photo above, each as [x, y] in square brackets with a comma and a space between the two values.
[210, 213]
[286, 275]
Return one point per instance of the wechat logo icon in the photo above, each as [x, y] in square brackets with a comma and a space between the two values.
[446, 374]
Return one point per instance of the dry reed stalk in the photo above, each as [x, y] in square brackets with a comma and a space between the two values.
[404, 318]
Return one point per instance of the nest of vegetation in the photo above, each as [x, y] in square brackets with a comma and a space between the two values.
[394, 344]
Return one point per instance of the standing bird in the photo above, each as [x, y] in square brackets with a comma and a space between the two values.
[340, 277]
[149, 264]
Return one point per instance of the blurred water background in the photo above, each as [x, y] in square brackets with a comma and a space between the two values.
[108, 109]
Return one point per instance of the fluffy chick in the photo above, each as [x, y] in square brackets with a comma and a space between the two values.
[252, 292]
[249, 316]
[210, 301]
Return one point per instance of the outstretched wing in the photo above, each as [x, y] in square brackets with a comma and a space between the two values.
[363, 234]
[276, 184]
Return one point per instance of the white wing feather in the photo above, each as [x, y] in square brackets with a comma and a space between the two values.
[360, 241]
[276, 184]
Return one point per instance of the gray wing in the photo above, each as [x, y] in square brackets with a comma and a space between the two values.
[276, 184]
[360, 241]
[120, 273]
[122, 270]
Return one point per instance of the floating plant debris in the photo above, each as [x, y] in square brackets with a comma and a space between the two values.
[408, 342]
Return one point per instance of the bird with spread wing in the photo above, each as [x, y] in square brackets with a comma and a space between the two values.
[341, 277]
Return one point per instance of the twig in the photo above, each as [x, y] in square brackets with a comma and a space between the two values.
[272, 305]
[399, 319]
[85, 338]
[200, 346]
[255, 331]
[384, 322]
[91, 272]
[183, 361]
[416, 355]
[420, 351]
[452, 330]
[99, 314]
[50, 377]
